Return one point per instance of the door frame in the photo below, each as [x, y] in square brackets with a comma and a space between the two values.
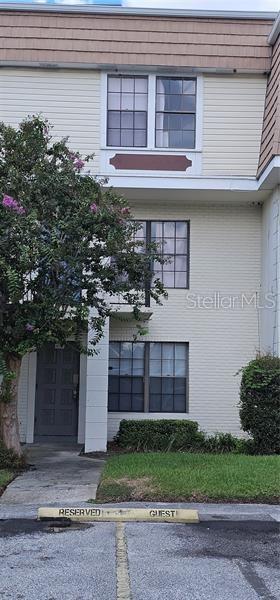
[58, 432]
[31, 398]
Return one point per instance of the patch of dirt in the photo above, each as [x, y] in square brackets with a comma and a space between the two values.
[125, 489]
[140, 487]
[112, 449]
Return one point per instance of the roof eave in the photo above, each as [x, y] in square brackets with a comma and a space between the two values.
[275, 31]
[163, 12]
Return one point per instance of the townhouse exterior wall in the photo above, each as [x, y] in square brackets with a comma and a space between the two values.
[70, 99]
[270, 282]
[232, 124]
[224, 259]
[234, 244]
[231, 119]
[134, 40]
[225, 262]
[270, 143]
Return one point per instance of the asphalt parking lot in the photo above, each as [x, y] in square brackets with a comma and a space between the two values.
[139, 561]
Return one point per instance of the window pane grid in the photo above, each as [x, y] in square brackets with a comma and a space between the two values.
[127, 105]
[175, 112]
[166, 399]
[167, 359]
[174, 272]
[166, 373]
[126, 371]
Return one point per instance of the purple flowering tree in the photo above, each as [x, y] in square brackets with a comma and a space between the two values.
[58, 231]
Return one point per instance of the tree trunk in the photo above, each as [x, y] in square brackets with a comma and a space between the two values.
[9, 425]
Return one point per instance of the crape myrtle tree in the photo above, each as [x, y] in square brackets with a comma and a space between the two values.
[59, 229]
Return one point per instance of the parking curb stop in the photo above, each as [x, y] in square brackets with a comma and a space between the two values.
[99, 513]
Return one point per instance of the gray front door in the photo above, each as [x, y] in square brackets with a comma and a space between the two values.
[57, 392]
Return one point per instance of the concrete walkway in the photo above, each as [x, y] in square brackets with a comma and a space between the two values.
[58, 475]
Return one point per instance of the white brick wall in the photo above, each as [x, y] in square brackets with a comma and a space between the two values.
[225, 245]
[270, 316]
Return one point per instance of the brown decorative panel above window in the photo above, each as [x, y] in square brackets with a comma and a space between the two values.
[150, 162]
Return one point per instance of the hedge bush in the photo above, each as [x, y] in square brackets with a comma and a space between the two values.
[163, 434]
[168, 435]
[10, 460]
[260, 403]
[225, 442]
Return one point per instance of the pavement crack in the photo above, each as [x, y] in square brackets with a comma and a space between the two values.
[122, 568]
[254, 580]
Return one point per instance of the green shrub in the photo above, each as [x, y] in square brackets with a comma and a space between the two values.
[245, 447]
[222, 442]
[163, 434]
[10, 460]
[260, 403]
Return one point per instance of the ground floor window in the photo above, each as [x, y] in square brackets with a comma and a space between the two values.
[148, 377]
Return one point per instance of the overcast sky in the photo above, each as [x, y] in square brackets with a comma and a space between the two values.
[265, 5]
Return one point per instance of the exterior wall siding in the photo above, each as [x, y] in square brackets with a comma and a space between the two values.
[270, 314]
[69, 99]
[270, 143]
[232, 124]
[123, 39]
[232, 114]
[224, 258]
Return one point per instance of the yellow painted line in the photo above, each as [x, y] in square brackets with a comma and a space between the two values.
[158, 515]
[122, 569]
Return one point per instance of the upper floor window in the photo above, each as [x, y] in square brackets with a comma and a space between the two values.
[127, 108]
[175, 112]
[172, 238]
[150, 111]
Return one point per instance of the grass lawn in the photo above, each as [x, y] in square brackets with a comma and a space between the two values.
[5, 478]
[171, 476]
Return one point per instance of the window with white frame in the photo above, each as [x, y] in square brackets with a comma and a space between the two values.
[148, 377]
[175, 112]
[151, 111]
[127, 107]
